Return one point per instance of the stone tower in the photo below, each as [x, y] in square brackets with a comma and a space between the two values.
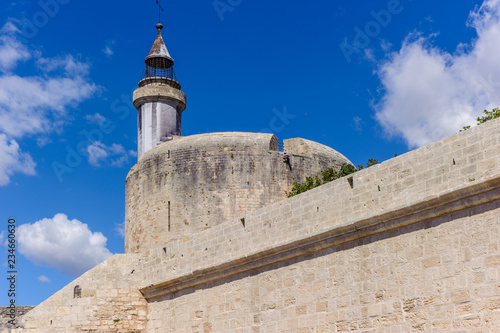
[182, 186]
[159, 99]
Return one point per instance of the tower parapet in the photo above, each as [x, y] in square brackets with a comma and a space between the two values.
[159, 99]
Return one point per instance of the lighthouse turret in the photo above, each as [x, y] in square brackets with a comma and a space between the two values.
[159, 99]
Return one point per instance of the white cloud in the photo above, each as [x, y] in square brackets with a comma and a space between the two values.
[114, 155]
[68, 245]
[67, 65]
[43, 141]
[96, 119]
[120, 228]
[358, 124]
[35, 106]
[108, 51]
[13, 160]
[369, 55]
[43, 278]
[430, 94]
[9, 28]
[385, 46]
[11, 50]
[97, 152]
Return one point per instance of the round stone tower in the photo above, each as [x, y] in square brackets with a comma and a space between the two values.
[184, 185]
[159, 99]
[192, 183]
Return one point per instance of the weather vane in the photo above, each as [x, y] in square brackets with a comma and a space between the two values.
[160, 9]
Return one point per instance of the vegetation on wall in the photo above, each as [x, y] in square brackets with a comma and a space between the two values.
[328, 176]
[488, 115]
[347, 169]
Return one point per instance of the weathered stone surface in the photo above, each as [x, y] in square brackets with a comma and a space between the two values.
[193, 183]
[154, 92]
[413, 246]
[110, 302]
[5, 316]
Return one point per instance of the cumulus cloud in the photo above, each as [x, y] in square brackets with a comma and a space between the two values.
[115, 155]
[68, 245]
[430, 94]
[43, 278]
[13, 160]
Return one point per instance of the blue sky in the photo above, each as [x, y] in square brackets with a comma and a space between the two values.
[369, 79]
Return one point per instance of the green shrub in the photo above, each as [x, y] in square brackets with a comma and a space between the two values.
[327, 176]
[488, 115]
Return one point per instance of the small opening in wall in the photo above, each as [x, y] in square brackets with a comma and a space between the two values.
[77, 292]
[378, 188]
[165, 251]
[317, 209]
[454, 163]
[50, 322]
[243, 222]
[168, 154]
[286, 160]
[350, 180]
[168, 226]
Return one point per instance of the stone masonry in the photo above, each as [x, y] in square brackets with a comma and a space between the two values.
[193, 183]
[409, 245]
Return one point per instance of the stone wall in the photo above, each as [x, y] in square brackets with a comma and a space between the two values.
[411, 244]
[108, 301]
[190, 184]
[441, 274]
[417, 185]
[5, 316]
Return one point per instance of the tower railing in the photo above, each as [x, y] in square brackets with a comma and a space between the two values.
[150, 71]
[162, 76]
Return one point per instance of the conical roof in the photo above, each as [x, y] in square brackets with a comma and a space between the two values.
[159, 49]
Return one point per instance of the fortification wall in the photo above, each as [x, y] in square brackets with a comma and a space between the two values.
[412, 245]
[438, 275]
[108, 300]
[190, 184]
[6, 315]
[413, 186]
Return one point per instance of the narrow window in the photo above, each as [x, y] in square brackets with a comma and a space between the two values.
[169, 216]
[243, 222]
[77, 293]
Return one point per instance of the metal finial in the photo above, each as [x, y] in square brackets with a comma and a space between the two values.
[159, 26]
[160, 9]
